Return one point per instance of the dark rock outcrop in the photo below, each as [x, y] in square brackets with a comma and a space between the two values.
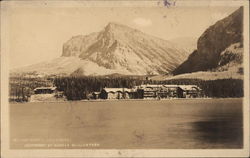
[213, 42]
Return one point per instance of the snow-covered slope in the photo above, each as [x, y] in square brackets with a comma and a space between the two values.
[115, 49]
[67, 66]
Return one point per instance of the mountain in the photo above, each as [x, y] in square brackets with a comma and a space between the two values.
[217, 46]
[117, 49]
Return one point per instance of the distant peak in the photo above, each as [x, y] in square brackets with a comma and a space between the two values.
[115, 25]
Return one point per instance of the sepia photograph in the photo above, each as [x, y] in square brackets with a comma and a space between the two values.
[124, 78]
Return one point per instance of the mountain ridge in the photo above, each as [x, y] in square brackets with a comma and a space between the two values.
[115, 49]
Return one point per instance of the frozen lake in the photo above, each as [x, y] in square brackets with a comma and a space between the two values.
[164, 124]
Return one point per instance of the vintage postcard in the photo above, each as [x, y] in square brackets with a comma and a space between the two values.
[161, 78]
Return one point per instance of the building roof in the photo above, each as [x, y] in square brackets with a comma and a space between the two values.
[43, 88]
[117, 90]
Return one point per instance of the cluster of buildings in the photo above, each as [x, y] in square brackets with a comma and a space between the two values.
[149, 92]
[145, 91]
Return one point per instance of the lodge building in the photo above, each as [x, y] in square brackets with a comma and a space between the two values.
[46, 94]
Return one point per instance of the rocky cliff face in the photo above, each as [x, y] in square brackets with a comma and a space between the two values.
[121, 47]
[118, 47]
[77, 44]
[231, 58]
[213, 42]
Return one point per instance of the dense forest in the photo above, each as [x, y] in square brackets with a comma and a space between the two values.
[77, 88]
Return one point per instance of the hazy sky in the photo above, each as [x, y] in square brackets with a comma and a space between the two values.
[38, 33]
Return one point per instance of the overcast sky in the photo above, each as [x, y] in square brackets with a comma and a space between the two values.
[38, 33]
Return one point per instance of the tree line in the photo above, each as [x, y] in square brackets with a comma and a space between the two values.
[78, 88]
